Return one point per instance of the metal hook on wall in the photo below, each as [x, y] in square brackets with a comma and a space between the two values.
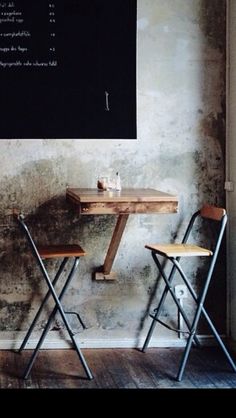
[107, 101]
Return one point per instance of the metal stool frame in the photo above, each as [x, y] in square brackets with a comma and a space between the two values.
[192, 327]
[58, 306]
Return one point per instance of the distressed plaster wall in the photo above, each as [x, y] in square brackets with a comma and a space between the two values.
[180, 149]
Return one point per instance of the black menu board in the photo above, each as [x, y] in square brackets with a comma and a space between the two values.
[68, 69]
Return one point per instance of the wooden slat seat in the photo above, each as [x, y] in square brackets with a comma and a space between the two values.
[57, 251]
[179, 250]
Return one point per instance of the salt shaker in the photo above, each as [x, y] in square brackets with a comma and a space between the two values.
[118, 182]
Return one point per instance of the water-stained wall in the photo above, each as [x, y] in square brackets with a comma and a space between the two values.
[180, 149]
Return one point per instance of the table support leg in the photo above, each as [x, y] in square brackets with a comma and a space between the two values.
[105, 272]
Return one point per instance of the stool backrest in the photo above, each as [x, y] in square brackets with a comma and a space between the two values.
[23, 225]
[20, 218]
[212, 212]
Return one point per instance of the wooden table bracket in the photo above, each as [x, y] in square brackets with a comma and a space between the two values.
[122, 203]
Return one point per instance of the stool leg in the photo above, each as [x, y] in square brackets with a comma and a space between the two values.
[168, 288]
[200, 303]
[156, 316]
[59, 308]
[42, 305]
[189, 341]
[52, 315]
[211, 325]
[187, 322]
[185, 358]
[217, 337]
[41, 340]
[159, 308]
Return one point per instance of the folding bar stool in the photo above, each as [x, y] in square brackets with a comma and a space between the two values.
[64, 252]
[173, 253]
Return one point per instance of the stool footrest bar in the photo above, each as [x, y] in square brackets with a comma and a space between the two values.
[169, 327]
[78, 317]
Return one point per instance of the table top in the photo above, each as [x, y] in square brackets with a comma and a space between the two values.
[125, 195]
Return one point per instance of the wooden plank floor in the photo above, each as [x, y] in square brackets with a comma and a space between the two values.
[117, 369]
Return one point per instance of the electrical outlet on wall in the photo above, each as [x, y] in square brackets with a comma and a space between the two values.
[181, 291]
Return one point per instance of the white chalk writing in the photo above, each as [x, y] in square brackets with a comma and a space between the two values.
[27, 64]
[29, 33]
[13, 49]
[21, 34]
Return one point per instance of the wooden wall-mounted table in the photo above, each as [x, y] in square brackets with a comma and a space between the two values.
[123, 203]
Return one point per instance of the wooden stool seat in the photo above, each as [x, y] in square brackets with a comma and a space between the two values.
[58, 251]
[179, 250]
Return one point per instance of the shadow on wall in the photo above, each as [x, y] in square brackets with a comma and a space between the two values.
[21, 283]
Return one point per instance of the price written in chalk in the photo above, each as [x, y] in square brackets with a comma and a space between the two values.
[28, 35]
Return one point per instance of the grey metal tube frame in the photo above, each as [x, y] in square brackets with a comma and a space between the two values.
[199, 300]
[58, 305]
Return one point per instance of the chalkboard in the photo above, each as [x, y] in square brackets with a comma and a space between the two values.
[68, 69]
